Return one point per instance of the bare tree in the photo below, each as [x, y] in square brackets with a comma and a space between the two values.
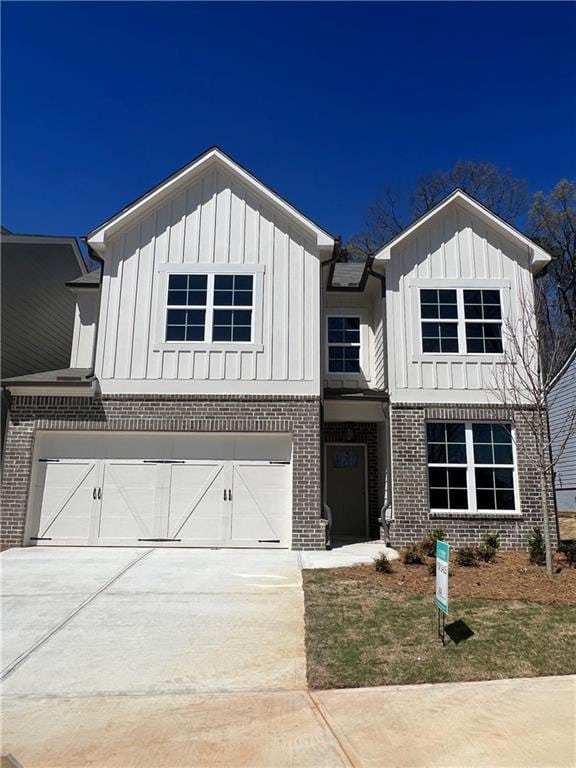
[553, 226]
[393, 210]
[522, 384]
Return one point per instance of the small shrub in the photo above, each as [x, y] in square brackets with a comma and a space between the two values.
[468, 557]
[568, 549]
[412, 555]
[537, 546]
[382, 563]
[490, 547]
[428, 544]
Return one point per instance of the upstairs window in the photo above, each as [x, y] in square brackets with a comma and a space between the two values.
[209, 308]
[483, 315]
[343, 344]
[442, 307]
[233, 297]
[470, 467]
[454, 320]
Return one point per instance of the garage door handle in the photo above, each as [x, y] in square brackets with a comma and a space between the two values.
[94, 493]
[230, 495]
[99, 493]
[225, 499]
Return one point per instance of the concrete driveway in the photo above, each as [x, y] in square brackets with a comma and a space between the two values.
[121, 658]
[127, 621]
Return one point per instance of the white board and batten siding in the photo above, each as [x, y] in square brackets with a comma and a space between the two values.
[455, 249]
[216, 223]
[85, 324]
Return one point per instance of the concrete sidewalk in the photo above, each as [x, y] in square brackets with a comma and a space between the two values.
[502, 724]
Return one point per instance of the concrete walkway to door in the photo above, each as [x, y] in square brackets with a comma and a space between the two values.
[116, 658]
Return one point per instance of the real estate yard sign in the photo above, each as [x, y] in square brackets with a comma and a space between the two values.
[442, 560]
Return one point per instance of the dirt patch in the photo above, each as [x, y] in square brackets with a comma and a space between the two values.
[567, 527]
[510, 577]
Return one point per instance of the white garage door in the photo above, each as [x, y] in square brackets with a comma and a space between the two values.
[176, 490]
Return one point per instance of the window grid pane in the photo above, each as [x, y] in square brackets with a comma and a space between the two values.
[436, 304]
[189, 304]
[448, 484]
[484, 334]
[344, 344]
[481, 452]
[494, 466]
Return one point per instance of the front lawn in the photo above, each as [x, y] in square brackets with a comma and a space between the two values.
[365, 628]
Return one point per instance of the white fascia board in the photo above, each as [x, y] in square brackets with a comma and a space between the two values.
[539, 256]
[96, 238]
[49, 240]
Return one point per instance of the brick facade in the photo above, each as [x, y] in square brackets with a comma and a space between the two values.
[298, 415]
[410, 480]
[366, 433]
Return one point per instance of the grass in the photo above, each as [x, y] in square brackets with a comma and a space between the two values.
[362, 634]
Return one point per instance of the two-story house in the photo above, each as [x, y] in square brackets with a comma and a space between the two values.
[37, 309]
[242, 386]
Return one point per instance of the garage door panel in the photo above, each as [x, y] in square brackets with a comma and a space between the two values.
[129, 489]
[66, 503]
[196, 502]
[260, 509]
[129, 500]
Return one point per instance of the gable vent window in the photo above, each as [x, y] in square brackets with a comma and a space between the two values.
[208, 308]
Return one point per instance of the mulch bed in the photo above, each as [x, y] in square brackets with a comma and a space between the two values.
[510, 577]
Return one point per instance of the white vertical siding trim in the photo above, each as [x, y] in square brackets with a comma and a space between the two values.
[137, 287]
[143, 325]
[114, 310]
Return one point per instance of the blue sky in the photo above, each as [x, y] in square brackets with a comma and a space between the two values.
[325, 102]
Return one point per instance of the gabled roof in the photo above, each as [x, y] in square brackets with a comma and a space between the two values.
[96, 238]
[26, 239]
[540, 257]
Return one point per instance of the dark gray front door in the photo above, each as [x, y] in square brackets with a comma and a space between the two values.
[346, 489]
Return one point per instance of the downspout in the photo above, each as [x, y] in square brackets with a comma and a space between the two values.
[386, 511]
[93, 255]
[326, 511]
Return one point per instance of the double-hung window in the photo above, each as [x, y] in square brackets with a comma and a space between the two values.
[439, 314]
[343, 344]
[461, 320]
[483, 315]
[210, 308]
[471, 467]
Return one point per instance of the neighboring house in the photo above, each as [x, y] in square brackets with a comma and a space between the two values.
[37, 309]
[561, 405]
[249, 386]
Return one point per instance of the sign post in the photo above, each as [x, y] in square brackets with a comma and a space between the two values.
[442, 563]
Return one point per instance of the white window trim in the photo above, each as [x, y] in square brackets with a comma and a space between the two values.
[360, 313]
[459, 285]
[211, 270]
[470, 466]
[449, 320]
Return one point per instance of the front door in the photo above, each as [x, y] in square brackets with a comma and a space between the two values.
[346, 490]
